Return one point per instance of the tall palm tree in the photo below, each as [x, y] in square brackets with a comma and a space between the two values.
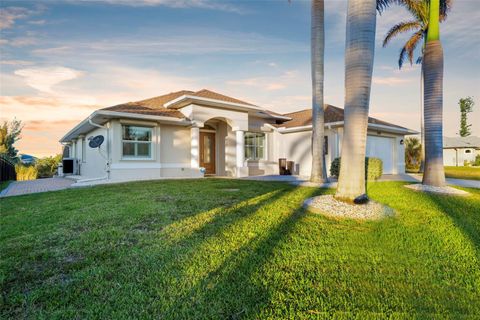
[319, 172]
[359, 55]
[434, 173]
[419, 9]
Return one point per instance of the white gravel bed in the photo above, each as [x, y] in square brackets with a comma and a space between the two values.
[443, 190]
[329, 206]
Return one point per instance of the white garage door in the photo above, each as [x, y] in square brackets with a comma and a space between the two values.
[381, 147]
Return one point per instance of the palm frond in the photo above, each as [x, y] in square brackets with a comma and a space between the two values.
[401, 28]
[408, 49]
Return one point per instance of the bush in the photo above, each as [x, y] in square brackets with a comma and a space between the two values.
[373, 168]
[47, 167]
[477, 161]
[25, 172]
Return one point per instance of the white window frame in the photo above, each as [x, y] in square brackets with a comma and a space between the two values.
[255, 146]
[135, 142]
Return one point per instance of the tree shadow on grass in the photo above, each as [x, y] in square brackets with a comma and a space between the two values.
[231, 290]
[115, 248]
[464, 213]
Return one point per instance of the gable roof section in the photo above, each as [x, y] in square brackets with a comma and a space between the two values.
[461, 142]
[204, 93]
[155, 105]
[332, 114]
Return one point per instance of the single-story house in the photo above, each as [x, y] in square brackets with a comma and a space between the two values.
[189, 134]
[458, 150]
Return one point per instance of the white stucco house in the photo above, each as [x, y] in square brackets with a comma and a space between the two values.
[458, 150]
[189, 134]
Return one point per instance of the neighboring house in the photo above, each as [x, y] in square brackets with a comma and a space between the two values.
[186, 134]
[458, 150]
[27, 159]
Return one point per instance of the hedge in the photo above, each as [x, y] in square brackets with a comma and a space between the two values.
[373, 168]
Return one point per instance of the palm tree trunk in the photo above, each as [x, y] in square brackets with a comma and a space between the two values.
[434, 174]
[359, 56]
[319, 173]
[422, 126]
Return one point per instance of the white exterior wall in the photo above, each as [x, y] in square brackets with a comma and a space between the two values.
[95, 164]
[296, 146]
[450, 156]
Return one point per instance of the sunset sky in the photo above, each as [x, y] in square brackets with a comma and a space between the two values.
[61, 60]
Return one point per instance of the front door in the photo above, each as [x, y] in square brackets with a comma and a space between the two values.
[207, 152]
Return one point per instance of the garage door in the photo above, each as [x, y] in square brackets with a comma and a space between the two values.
[381, 147]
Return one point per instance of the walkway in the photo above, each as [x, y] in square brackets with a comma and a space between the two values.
[17, 188]
[303, 181]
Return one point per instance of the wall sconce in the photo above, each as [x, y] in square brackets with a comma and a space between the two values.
[401, 142]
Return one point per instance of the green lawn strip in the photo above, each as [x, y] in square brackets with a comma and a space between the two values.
[469, 173]
[192, 249]
[4, 185]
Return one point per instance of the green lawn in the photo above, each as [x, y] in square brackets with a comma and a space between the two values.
[198, 249]
[4, 184]
[469, 173]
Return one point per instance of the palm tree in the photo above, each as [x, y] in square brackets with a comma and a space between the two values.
[434, 173]
[319, 172]
[419, 9]
[412, 152]
[359, 55]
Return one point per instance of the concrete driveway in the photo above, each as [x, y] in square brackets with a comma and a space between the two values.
[17, 188]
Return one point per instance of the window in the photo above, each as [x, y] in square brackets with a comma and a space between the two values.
[325, 145]
[84, 150]
[254, 146]
[468, 151]
[136, 142]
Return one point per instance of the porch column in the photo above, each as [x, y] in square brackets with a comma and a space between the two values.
[240, 152]
[195, 147]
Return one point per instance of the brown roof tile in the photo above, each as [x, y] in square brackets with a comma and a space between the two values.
[204, 93]
[332, 114]
[155, 106]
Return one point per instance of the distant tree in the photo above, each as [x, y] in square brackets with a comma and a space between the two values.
[9, 134]
[466, 106]
[413, 150]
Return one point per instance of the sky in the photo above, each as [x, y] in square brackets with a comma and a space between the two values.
[63, 59]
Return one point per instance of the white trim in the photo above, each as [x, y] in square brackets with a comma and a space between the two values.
[180, 121]
[233, 104]
[340, 123]
[70, 135]
[155, 165]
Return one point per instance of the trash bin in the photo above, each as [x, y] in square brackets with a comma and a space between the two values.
[290, 166]
[282, 166]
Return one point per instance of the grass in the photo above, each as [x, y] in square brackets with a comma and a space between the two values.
[470, 173]
[4, 184]
[201, 250]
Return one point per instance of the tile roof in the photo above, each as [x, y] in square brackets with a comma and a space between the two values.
[204, 93]
[461, 142]
[332, 114]
[155, 105]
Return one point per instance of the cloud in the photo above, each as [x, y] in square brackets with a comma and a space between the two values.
[391, 81]
[269, 83]
[9, 15]
[180, 4]
[16, 62]
[185, 41]
[44, 79]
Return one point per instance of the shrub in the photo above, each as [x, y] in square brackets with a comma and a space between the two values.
[373, 168]
[25, 172]
[477, 161]
[47, 167]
